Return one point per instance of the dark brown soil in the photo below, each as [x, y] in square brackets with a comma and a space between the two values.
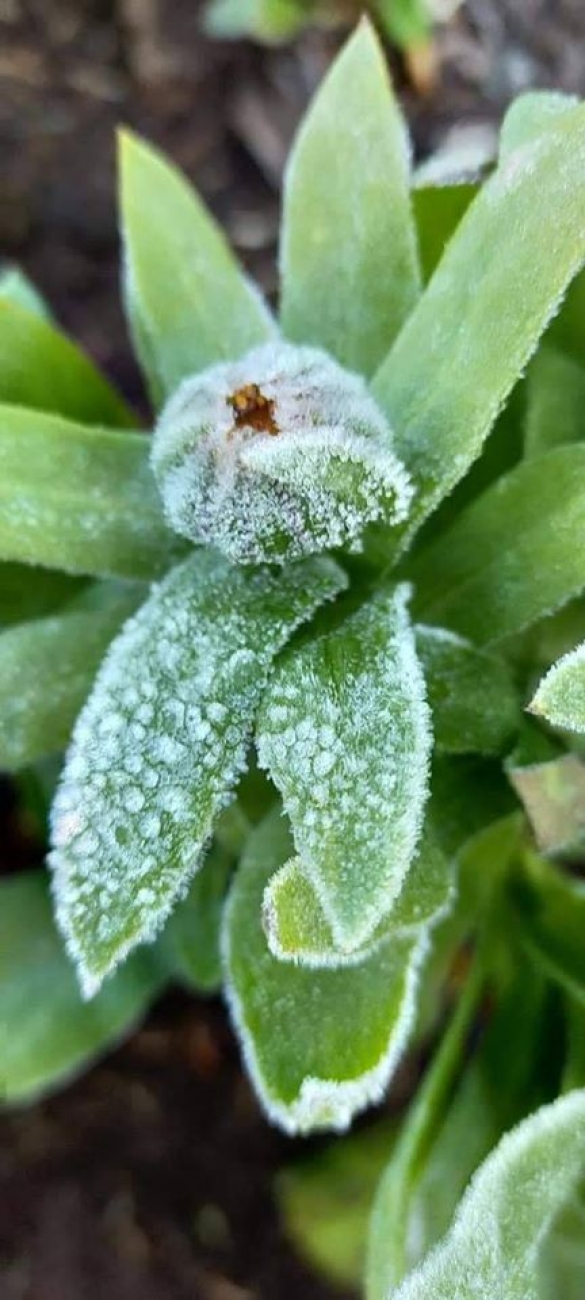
[151, 1178]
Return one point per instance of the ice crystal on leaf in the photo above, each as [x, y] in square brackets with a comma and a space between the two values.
[277, 455]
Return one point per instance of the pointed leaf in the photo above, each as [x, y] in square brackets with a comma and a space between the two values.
[349, 261]
[47, 669]
[493, 1246]
[16, 287]
[188, 303]
[344, 733]
[320, 1046]
[560, 698]
[514, 555]
[189, 945]
[160, 744]
[79, 498]
[40, 368]
[555, 402]
[531, 114]
[47, 1033]
[474, 703]
[531, 205]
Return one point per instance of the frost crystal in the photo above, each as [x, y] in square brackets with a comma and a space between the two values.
[277, 455]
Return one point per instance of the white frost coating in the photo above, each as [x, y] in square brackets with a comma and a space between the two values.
[560, 697]
[345, 733]
[160, 743]
[304, 472]
[491, 1251]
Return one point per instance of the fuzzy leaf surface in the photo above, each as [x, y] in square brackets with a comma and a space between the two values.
[474, 703]
[160, 743]
[560, 698]
[532, 113]
[47, 1033]
[79, 498]
[345, 735]
[322, 1045]
[480, 318]
[514, 555]
[349, 259]
[187, 301]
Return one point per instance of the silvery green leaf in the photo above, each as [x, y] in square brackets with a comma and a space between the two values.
[513, 556]
[277, 455]
[555, 402]
[473, 700]
[349, 262]
[80, 498]
[187, 301]
[480, 318]
[492, 1248]
[560, 697]
[47, 1033]
[553, 796]
[322, 1045]
[297, 929]
[189, 945]
[345, 734]
[16, 287]
[532, 113]
[46, 672]
[160, 743]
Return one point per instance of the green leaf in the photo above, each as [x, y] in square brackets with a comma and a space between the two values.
[189, 943]
[553, 795]
[319, 1045]
[79, 498]
[188, 303]
[470, 793]
[438, 210]
[160, 743]
[296, 926]
[46, 672]
[531, 114]
[344, 733]
[493, 1246]
[406, 22]
[41, 369]
[268, 21]
[514, 555]
[474, 703]
[560, 698]
[16, 287]
[562, 1265]
[349, 261]
[555, 403]
[47, 1033]
[550, 906]
[27, 592]
[478, 322]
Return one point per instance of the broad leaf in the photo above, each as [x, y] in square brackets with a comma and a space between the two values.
[187, 302]
[560, 698]
[27, 592]
[438, 209]
[160, 744]
[79, 498]
[320, 1046]
[555, 409]
[16, 287]
[514, 555]
[345, 735]
[474, 703]
[47, 669]
[40, 368]
[492, 1248]
[189, 945]
[47, 1033]
[479, 320]
[349, 262]
[531, 114]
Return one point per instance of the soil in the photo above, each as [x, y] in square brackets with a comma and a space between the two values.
[152, 1176]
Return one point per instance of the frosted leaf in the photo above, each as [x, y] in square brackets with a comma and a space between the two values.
[319, 1046]
[297, 929]
[560, 698]
[492, 1249]
[153, 760]
[345, 734]
[277, 455]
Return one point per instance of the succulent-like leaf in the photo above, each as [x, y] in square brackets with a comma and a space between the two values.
[189, 945]
[345, 734]
[560, 698]
[16, 287]
[46, 672]
[478, 322]
[275, 456]
[531, 114]
[41, 368]
[160, 744]
[493, 1247]
[188, 303]
[349, 260]
[474, 703]
[79, 498]
[555, 408]
[47, 1033]
[320, 1046]
[514, 555]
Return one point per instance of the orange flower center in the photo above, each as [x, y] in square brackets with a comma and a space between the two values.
[253, 410]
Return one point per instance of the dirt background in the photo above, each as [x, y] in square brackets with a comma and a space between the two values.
[152, 1177]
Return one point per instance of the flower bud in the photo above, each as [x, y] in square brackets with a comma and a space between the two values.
[277, 455]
